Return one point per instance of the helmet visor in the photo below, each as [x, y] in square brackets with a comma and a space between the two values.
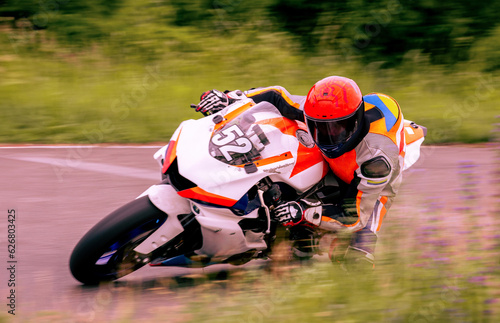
[328, 134]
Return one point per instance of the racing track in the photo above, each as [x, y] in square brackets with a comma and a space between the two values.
[60, 192]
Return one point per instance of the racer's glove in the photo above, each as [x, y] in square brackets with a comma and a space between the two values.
[211, 102]
[289, 213]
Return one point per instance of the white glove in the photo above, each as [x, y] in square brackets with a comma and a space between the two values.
[289, 213]
[211, 102]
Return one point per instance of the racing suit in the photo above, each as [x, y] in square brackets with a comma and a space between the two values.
[371, 173]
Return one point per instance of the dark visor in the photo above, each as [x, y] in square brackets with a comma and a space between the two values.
[329, 133]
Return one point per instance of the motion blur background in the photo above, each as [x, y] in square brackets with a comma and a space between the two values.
[126, 71]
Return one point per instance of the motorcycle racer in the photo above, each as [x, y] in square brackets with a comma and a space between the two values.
[363, 141]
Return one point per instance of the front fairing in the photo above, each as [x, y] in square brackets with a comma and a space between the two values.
[213, 155]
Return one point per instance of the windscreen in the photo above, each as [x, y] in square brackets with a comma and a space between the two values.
[250, 136]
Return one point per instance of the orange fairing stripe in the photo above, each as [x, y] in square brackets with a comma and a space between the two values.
[233, 114]
[170, 154]
[412, 134]
[286, 126]
[271, 160]
[306, 158]
[200, 194]
[274, 159]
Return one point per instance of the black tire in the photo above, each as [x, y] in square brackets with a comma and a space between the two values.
[106, 251]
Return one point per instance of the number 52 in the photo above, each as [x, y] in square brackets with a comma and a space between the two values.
[224, 139]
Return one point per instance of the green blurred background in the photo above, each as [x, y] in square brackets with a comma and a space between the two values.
[125, 71]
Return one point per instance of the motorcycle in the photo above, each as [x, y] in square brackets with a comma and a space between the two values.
[221, 177]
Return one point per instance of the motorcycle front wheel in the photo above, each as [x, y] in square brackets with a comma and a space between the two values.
[106, 252]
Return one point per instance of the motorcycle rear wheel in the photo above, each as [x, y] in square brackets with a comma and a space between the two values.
[106, 252]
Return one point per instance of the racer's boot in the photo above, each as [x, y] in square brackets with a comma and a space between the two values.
[358, 255]
[304, 244]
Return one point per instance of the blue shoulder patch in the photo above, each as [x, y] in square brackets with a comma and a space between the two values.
[390, 118]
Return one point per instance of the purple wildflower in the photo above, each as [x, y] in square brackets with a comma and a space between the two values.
[491, 301]
[480, 280]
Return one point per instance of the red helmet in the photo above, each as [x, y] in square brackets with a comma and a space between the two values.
[334, 113]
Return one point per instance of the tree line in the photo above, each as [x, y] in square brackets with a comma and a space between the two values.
[370, 30]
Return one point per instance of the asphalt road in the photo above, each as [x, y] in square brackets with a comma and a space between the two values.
[58, 193]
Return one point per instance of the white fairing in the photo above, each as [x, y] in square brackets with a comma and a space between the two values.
[413, 142]
[304, 180]
[212, 156]
[222, 236]
[412, 153]
[159, 156]
[165, 198]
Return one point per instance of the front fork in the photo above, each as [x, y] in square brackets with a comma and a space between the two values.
[266, 209]
[269, 194]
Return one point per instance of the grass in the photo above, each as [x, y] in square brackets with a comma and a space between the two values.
[425, 282]
[58, 94]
